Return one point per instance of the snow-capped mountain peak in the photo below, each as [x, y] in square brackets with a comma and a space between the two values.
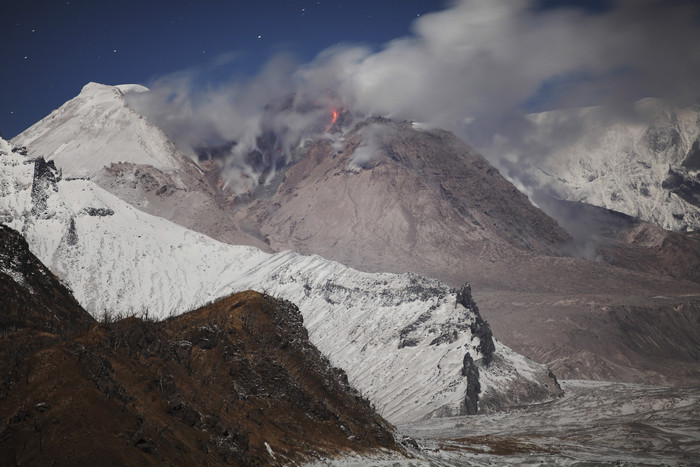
[96, 135]
[96, 129]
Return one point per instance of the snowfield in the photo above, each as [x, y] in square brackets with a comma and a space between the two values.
[594, 423]
[402, 339]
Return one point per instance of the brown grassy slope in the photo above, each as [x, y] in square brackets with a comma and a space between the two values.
[36, 309]
[212, 386]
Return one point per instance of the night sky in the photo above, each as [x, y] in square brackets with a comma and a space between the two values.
[52, 48]
[473, 66]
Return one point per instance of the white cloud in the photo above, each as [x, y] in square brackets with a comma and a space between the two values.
[469, 68]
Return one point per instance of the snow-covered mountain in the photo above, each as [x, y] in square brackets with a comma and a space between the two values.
[96, 135]
[414, 346]
[96, 129]
[647, 167]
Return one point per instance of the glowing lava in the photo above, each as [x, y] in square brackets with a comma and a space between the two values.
[335, 117]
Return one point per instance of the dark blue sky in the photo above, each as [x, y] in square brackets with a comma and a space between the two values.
[52, 48]
[478, 59]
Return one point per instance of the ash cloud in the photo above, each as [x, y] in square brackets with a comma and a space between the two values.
[374, 145]
[253, 126]
[476, 68]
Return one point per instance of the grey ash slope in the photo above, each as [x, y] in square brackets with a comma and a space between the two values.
[389, 197]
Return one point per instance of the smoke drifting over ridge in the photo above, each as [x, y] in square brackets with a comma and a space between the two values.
[476, 68]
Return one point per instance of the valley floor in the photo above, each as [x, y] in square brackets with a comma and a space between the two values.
[594, 423]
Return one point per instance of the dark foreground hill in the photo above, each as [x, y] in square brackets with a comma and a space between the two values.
[234, 382]
[36, 309]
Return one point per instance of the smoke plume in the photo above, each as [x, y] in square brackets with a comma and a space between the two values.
[477, 68]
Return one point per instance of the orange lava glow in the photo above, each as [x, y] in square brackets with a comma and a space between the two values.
[335, 117]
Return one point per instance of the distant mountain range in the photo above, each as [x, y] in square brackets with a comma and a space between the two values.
[646, 165]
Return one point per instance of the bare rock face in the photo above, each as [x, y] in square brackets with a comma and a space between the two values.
[36, 308]
[471, 398]
[46, 175]
[479, 328]
[685, 186]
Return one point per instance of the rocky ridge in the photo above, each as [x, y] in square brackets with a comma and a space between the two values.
[235, 382]
[36, 309]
